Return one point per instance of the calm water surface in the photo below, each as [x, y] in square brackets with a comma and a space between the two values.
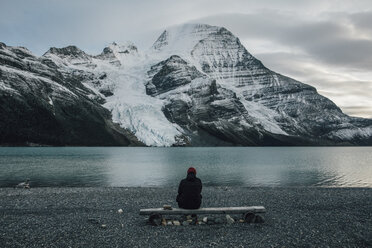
[244, 166]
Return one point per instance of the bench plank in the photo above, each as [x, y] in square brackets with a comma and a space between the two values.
[223, 210]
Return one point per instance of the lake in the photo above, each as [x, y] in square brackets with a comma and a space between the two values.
[216, 166]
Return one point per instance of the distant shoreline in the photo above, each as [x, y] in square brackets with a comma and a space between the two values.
[132, 146]
[296, 216]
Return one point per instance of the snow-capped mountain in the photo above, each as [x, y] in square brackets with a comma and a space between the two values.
[197, 85]
[42, 104]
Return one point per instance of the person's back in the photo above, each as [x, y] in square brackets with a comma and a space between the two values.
[189, 191]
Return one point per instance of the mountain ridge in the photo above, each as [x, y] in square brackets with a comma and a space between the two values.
[197, 85]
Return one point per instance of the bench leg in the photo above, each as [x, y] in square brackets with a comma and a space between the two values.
[250, 217]
[155, 219]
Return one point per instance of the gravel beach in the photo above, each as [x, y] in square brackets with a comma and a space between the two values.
[88, 217]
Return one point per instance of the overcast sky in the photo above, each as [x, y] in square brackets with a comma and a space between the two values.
[325, 43]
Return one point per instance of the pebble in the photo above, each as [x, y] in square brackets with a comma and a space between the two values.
[205, 219]
[167, 207]
[93, 220]
[103, 225]
[120, 211]
[219, 221]
[211, 221]
[229, 220]
[176, 223]
[169, 223]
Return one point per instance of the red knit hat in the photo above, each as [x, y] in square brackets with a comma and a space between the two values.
[191, 170]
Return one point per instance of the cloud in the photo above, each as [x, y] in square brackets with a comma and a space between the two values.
[359, 111]
[89, 24]
[362, 20]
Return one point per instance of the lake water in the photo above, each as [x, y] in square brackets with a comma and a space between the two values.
[222, 166]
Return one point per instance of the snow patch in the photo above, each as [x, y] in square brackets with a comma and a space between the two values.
[364, 132]
[50, 101]
[263, 116]
[33, 76]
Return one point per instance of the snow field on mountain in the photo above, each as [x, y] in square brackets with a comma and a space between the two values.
[130, 106]
[138, 112]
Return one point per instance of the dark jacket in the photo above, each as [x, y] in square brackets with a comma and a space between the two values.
[189, 192]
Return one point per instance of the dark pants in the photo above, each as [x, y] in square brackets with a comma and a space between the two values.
[189, 205]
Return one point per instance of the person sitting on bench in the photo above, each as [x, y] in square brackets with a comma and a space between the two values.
[189, 191]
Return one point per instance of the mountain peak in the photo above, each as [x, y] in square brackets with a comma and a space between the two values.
[69, 54]
[184, 37]
[67, 51]
[117, 54]
[122, 48]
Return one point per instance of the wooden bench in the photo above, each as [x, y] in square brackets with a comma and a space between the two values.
[156, 213]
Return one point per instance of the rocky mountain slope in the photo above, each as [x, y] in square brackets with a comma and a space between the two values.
[40, 104]
[197, 85]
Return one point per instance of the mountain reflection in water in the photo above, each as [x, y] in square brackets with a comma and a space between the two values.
[216, 166]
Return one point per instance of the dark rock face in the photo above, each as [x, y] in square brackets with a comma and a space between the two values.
[169, 75]
[38, 104]
[72, 54]
[198, 112]
[209, 113]
[68, 51]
